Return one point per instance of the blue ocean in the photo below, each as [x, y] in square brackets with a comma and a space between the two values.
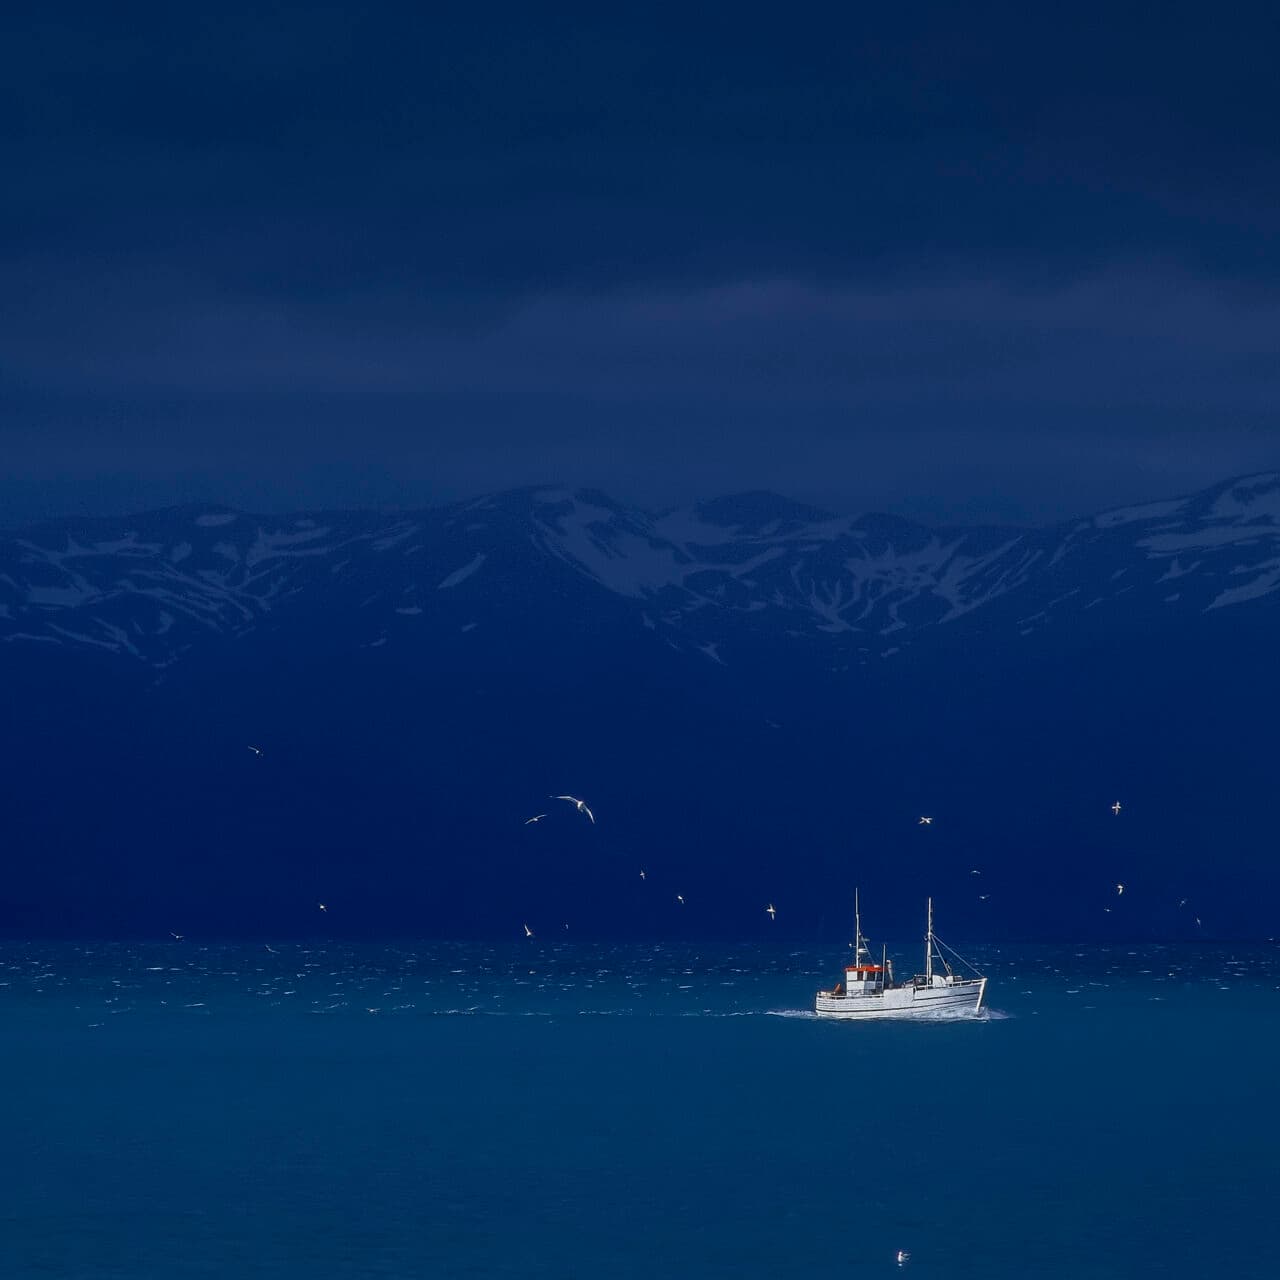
[433, 1110]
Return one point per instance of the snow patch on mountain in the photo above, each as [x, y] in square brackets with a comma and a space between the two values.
[1176, 570]
[617, 554]
[397, 535]
[269, 546]
[685, 528]
[1258, 497]
[461, 575]
[1263, 584]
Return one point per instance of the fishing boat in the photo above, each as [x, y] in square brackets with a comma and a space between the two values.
[869, 989]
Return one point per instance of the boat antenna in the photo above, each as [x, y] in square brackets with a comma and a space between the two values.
[928, 949]
[859, 942]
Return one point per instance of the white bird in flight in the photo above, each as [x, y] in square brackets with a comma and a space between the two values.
[179, 936]
[903, 1257]
[925, 822]
[1119, 889]
[1115, 808]
[772, 911]
[528, 933]
[975, 872]
[642, 875]
[322, 906]
[680, 898]
[580, 805]
[537, 817]
[257, 751]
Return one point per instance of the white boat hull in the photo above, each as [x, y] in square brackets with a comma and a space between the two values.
[944, 997]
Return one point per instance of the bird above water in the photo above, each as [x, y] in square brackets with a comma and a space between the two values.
[528, 933]
[257, 751]
[1115, 808]
[924, 822]
[537, 817]
[580, 805]
[772, 911]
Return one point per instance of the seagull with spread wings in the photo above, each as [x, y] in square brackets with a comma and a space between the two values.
[580, 805]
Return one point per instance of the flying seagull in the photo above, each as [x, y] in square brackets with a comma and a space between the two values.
[903, 1257]
[580, 805]
[1119, 890]
[322, 906]
[270, 948]
[680, 898]
[528, 933]
[925, 822]
[1115, 808]
[642, 875]
[257, 751]
[179, 936]
[772, 911]
[537, 817]
[975, 872]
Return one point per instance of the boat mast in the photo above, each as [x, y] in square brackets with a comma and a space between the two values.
[858, 947]
[928, 949]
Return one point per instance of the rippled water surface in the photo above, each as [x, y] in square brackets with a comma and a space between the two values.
[567, 1110]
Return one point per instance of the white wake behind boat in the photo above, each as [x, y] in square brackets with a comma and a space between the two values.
[869, 990]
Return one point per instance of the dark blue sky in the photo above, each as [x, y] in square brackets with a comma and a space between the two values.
[992, 261]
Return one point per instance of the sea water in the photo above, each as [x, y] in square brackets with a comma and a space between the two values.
[433, 1110]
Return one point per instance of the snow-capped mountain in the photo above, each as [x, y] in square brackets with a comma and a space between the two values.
[730, 580]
